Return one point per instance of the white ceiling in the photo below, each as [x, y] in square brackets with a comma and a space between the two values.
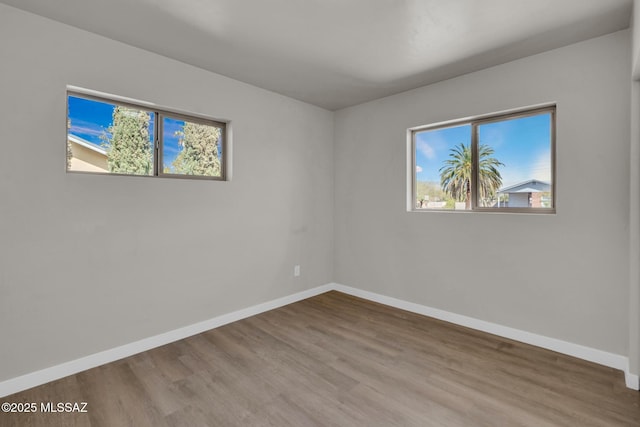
[337, 53]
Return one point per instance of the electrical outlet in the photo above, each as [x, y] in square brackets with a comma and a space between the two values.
[296, 270]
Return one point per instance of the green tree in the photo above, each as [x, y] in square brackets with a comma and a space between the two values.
[431, 191]
[128, 147]
[489, 178]
[455, 176]
[199, 154]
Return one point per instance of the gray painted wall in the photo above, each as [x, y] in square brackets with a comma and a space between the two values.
[564, 276]
[634, 190]
[634, 232]
[635, 21]
[91, 262]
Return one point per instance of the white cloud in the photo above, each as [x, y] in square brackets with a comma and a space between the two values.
[86, 130]
[541, 169]
[418, 168]
[426, 150]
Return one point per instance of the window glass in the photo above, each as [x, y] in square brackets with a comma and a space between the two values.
[108, 138]
[443, 167]
[191, 148]
[522, 147]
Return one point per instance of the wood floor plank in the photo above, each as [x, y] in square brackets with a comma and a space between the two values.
[338, 360]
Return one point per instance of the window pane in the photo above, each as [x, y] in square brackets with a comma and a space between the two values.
[443, 168]
[191, 148]
[104, 137]
[515, 163]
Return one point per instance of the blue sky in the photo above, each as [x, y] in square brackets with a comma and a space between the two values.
[90, 119]
[171, 146]
[522, 144]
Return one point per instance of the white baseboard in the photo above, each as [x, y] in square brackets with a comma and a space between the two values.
[600, 357]
[632, 380]
[46, 375]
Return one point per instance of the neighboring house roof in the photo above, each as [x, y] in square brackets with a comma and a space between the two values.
[86, 144]
[530, 186]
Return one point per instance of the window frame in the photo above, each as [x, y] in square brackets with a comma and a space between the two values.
[475, 122]
[158, 133]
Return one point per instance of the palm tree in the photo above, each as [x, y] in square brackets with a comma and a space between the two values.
[455, 176]
[489, 178]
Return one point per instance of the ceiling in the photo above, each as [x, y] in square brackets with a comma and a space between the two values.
[338, 53]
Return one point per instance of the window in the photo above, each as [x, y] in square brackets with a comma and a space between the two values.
[113, 137]
[503, 163]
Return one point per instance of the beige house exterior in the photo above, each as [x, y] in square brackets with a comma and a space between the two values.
[86, 157]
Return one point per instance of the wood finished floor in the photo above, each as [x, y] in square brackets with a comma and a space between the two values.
[336, 360]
